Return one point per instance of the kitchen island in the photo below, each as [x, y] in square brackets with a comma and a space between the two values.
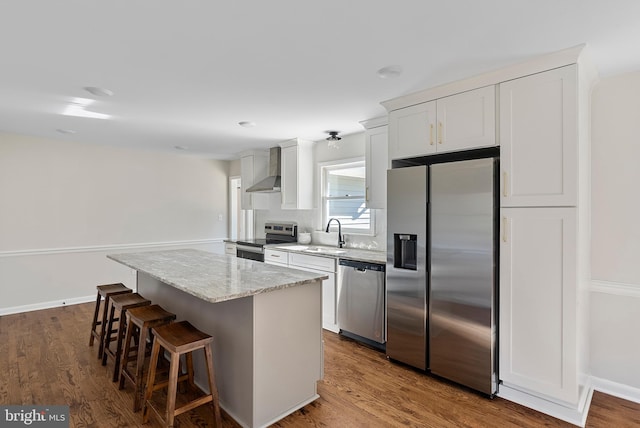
[266, 323]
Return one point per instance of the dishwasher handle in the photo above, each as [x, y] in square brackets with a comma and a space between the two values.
[362, 266]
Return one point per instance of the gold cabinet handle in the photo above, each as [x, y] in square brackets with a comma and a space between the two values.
[504, 229]
[439, 132]
[431, 134]
[505, 176]
[366, 194]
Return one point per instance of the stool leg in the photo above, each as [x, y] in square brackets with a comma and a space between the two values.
[103, 326]
[94, 324]
[171, 392]
[106, 339]
[189, 358]
[142, 348]
[151, 378]
[118, 352]
[126, 348]
[215, 402]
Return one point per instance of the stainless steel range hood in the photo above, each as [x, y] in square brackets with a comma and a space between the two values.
[271, 183]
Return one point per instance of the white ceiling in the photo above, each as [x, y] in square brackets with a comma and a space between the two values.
[185, 72]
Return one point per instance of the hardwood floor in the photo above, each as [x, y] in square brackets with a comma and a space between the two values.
[45, 359]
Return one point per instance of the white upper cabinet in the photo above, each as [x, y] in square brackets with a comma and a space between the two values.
[253, 168]
[412, 131]
[467, 120]
[376, 162]
[539, 139]
[297, 174]
[458, 122]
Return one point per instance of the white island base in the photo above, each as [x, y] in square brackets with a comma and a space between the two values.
[267, 348]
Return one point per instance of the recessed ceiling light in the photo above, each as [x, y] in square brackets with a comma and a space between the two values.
[181, 147]
[389, 71]
[99, 92]
[247, 124]
[66, 131]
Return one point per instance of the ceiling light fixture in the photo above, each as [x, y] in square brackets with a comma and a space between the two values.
[247, 124]
[77, 107]
[389, 72]
[99, 92]
[333, 139]
[333, 136]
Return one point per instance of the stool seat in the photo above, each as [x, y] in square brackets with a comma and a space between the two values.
[180, 338]
[104, 293]
[142, 319]
[118, 309]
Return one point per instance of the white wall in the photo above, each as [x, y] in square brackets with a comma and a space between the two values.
[615, 250]
[66, 205]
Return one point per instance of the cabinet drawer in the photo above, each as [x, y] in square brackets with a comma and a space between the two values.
[230, 248]
[326, 264]
[276, 257]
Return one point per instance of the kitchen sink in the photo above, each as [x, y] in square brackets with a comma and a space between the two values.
[313, 249]
[324, 250]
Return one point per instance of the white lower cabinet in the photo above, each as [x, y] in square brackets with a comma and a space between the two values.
[326, 265]
[538, 305]
[316, 264]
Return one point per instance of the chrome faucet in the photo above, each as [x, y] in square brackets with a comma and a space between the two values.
[340, 240]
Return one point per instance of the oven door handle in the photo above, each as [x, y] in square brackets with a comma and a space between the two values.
[250, 249]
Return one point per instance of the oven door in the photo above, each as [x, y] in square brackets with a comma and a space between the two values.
[250, 252]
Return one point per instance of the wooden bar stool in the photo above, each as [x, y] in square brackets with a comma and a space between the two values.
[141, 319]
[118, 309]
[179, 338]
[104, 292]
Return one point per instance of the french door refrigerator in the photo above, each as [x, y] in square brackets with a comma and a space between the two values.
[442, 267]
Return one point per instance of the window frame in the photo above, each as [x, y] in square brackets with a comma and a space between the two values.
[323, 167]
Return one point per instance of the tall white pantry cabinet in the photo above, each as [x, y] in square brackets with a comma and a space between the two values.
[542, 111]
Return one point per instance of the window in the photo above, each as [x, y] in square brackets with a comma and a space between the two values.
[343, 197]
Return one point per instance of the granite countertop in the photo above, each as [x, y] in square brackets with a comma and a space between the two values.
[334, 252]
[213, 277]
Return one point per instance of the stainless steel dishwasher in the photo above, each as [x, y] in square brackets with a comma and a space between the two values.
[361, 301]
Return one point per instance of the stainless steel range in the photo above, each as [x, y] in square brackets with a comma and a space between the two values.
[276, 233]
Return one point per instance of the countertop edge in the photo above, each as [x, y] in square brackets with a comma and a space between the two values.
[320, 277]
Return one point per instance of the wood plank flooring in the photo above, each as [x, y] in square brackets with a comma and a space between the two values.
[45, 359]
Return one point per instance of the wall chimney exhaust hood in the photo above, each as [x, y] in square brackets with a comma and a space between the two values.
[271, 183]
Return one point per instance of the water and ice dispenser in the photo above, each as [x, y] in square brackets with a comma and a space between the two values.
[405, 250]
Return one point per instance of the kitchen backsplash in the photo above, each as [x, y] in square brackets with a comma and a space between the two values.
[307, 221]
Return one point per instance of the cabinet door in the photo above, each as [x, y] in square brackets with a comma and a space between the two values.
[538, 301]
[297, 174]
[376, 164]
[289, 177]
[539, 140]
[252, 169]
[467, 120]
[412, 131]
[325, 266]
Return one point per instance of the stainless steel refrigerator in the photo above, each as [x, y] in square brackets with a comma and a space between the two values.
[442, 267]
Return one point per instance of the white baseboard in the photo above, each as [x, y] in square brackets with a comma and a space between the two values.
[47, 305]
[575, 415]
[616, 389]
